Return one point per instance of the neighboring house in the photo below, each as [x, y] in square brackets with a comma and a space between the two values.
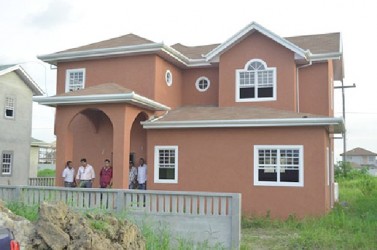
[16, 92]
[360, 158]
[42, 156]
[252, 115]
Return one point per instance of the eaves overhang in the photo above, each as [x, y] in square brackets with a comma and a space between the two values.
[150, 48]
[335, 124]
[131, 98]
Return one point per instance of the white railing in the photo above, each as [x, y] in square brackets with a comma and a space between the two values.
[42, 181]
[215, 217]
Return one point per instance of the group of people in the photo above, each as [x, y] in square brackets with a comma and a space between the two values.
[85, 175]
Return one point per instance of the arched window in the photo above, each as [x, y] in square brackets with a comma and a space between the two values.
[256, 82]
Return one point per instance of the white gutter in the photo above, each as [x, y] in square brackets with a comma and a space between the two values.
[240, 123]
[149, 47]
[325, 56]
[95, 99]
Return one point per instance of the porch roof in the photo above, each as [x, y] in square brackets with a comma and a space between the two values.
[222, 117]
[102, 93]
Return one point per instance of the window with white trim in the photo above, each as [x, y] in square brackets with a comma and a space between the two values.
[168, 78]
[166, 164]
[6, 163]
[9, 107]
[202, 84]
[75, 79]
[256, 82]
[278, 165]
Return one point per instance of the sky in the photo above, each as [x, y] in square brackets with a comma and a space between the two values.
[39, 27]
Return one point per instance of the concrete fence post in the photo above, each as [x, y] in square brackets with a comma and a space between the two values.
[236, 221]
[120, 201]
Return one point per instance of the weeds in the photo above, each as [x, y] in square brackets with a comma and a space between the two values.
[352, 224]
[29, 212]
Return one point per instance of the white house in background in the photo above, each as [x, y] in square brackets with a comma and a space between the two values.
[16, 91]
[360, 157]
[42, 156]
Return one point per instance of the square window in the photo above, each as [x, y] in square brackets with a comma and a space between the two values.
[75, 79]
[278, 165]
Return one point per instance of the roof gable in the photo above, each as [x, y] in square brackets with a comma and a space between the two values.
[245, 32]
[359, 152]
[26, 78]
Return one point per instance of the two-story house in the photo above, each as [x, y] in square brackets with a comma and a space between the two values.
[360, 157]
[252, 115]
[16, 91]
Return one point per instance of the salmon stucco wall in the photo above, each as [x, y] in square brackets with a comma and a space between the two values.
[314, 89]
[135, 73]
[213, 160]
[168, 95]
[192, 96]
[258, 46]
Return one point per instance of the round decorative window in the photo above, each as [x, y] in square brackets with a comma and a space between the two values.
[202, 84]
[169, 78]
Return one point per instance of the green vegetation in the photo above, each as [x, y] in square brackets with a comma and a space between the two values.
[352, 224]
[46, 173]
[27, 211]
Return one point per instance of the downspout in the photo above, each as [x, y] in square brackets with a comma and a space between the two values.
[298, 84]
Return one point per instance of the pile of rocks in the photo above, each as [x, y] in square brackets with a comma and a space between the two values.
[59, 227]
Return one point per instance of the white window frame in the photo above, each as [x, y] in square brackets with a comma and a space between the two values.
[197, 83]
[157, 164]
[68, 74]
[10, 103]
[256, 84]
[10, 163]
[168, 78]
[278, 183]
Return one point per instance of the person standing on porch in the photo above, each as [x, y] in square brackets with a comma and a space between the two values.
[132, 177]
[142, 174]
[85, 174]
[106, 175]
[69, 175]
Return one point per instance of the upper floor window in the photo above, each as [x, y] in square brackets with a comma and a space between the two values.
[6, 163]
[168, 78]
[75, 79]
[256, 82]
[166, 164]
[202, 84]
[9, 107]
[279, 165]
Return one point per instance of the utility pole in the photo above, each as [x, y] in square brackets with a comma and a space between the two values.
[344, 116]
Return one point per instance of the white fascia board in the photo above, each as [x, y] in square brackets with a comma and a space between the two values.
[93, 99]
[216, 51]
[287, 122]
[142, 48]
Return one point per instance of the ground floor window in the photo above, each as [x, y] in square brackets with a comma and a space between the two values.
[166, 164]
[6, 163]
[278, 165]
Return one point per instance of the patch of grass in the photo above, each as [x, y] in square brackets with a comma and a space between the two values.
[352, 224]
[46, 173]
[29, 212]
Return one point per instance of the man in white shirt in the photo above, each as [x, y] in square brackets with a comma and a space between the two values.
[69, 175]
[142, 174]
[85, 174]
